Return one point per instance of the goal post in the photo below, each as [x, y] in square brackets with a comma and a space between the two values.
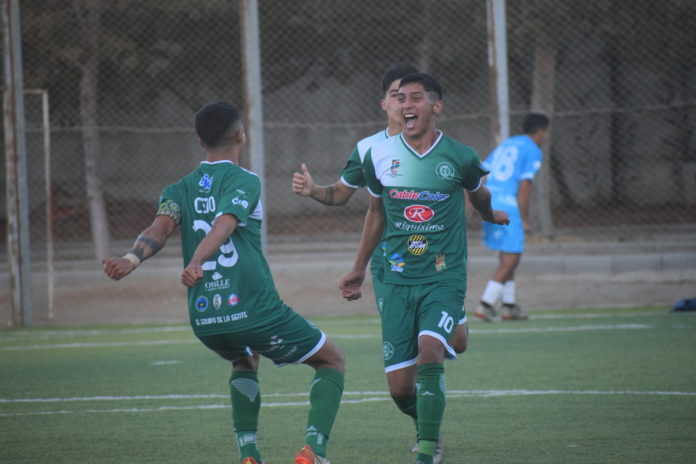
[48, 193]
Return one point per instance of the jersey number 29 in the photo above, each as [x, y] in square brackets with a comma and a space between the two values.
[228, 253]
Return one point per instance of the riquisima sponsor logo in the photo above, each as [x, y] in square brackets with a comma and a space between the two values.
[418, 213]
[405, 194]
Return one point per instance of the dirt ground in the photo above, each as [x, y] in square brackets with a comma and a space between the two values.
[308, 281]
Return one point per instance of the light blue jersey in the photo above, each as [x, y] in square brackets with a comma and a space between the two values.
[516, 159]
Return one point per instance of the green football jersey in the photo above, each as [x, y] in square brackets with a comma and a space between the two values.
[352, 173]
[237, 288]
[425, 220]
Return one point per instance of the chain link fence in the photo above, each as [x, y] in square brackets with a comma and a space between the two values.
[618, 80]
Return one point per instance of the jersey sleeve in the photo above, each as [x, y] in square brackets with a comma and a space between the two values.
[170, 203]
[531, 163]
[374, 186]
[240, 197]
[352, 173]
[472, 171]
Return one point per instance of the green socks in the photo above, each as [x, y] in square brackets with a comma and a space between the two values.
[246, 404]
[324, 400]
[431, 392]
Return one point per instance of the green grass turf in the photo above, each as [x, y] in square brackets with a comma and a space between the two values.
[614, 385]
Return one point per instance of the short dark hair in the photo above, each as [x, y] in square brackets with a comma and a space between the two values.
[213, 121]
[426, 80]
[534, 122]
[396, 72]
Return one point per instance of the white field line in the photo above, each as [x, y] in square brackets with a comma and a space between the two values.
[97, 344]
[362, 397]
[49, 334]
[587, 327]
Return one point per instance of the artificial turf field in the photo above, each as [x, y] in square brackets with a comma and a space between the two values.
[566, 386]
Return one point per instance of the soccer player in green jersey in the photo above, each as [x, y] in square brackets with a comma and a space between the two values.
[352, 178]
[234, 308]
[415, 181]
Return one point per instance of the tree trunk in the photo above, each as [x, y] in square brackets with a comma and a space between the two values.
[543, 82]
[89, 14]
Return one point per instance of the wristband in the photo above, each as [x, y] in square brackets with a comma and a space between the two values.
[134, 260]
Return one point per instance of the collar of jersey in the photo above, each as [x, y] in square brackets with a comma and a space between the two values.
[432, 147]
[217, 162]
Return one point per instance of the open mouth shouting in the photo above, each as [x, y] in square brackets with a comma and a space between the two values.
[410, 120]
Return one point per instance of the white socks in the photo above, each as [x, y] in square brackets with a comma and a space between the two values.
[495, 291]
[509, 292]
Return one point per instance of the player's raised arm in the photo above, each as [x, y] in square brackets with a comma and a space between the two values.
[223, 227]
[335, 194]
[481, 200]
[148, 243]
[372, 231]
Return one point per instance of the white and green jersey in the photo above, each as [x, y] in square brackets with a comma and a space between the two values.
[425, 221]
[237, 288]
[352, 175]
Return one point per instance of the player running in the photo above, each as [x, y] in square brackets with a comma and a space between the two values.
[415, 182]
[352, 178]
[233, 304]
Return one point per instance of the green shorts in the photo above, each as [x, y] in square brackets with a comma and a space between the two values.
[410, 311]
[287, 338]
[378, 286]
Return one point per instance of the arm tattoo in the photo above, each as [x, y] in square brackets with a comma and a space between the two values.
[141, 243]
[328, 199]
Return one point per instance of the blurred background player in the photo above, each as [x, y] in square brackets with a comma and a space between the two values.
[512, 165]
[422, 171]
[234, 308]
[352, 178]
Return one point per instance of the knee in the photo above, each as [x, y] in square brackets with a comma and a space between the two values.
[247, 363]
[460, 339]
[330, 356]
[401, 392]
[430, 350]
[460, 345]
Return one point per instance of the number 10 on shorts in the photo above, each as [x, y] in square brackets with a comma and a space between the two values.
[446, 322]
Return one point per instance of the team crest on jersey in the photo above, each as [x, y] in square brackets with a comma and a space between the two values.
[440, 264]
[206, 183]
[394, 169]
[217, 301]
[417, 244]
[444, 170]
[201, 303]
[397, 262]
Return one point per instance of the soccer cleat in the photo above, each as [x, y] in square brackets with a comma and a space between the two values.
[439, 454]
[307, 456]
[439, 457]
[486, 312]
[250, 460]
[512, 312]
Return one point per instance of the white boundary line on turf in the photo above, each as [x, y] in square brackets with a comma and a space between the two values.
[371, 397]
[586, 327]
[45, 334]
